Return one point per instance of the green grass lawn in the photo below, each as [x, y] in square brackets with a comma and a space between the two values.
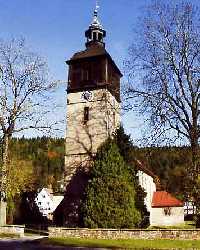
[7, 235]
[185, 225]
[128, 244]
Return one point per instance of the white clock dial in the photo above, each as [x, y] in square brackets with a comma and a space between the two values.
[87, 96]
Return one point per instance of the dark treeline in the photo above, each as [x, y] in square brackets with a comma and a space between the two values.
[170, 164]
[46, 156]
[43, 160]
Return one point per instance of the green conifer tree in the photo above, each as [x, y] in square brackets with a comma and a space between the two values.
[125, 144]
[127, 151]
[110, 194]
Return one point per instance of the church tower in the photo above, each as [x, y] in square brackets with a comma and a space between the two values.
[93, 99]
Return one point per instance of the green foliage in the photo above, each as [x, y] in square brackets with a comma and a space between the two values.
[126, 149]
[33, 163]
[171, 164]
[110, 193]
[124, 144]
[19, 177]
[46, 155]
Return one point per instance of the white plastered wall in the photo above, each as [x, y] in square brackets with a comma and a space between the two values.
[147, 183]
[158, 217]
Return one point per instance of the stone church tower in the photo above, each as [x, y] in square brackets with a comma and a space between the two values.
[93, 99]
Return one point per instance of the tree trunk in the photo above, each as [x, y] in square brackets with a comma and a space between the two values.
[3, 180]
[5, 145]
[3, 206]
[195, 172]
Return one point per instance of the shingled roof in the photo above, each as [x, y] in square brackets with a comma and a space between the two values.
[90, 52]
[165, 199]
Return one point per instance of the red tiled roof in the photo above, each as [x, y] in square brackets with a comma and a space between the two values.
[164, 199]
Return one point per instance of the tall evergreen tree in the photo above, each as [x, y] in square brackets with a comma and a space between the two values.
[126, 149]
[124, 143]
[110, 194]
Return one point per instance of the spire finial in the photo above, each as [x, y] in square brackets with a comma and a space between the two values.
[96, 8]
[95, 21]
[95, 34]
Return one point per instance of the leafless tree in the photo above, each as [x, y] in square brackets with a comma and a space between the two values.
[24, 95]
[163, 72]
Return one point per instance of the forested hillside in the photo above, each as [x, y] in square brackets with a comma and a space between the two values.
[170, 164]
[44, 155]
[39, 162]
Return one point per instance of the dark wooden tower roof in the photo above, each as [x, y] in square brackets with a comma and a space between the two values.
[94, 68]
[93, 51]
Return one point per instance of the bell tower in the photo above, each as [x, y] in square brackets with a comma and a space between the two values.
[95, 33]
[93, 99]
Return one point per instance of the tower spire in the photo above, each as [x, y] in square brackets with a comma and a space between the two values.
[95, 33]
[97, 7]
[95, 21]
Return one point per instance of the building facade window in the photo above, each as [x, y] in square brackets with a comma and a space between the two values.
[86, 115]
[167, 211]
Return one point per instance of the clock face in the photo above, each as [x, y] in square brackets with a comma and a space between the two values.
[86, 96]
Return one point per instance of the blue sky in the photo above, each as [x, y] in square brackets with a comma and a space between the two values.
[55, 29]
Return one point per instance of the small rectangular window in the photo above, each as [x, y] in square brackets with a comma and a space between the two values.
[114, 119]
[167, 211]
[94, 36]
[86, 115]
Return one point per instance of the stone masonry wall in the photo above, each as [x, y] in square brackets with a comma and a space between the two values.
[104, 117]
[125, 233]
[12, 229]
[83, 139]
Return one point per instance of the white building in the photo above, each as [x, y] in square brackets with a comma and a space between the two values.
[47, 202]
[147, 182]
[166, 210]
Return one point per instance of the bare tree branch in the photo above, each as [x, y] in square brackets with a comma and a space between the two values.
[25, 89]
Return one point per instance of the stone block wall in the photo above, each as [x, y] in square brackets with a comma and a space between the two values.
[83, 139]
[12, 229]
[104, 117]
[125, 233]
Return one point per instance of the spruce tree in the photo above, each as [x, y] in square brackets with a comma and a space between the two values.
[127, 151]
[124, 143]
[110, 194]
